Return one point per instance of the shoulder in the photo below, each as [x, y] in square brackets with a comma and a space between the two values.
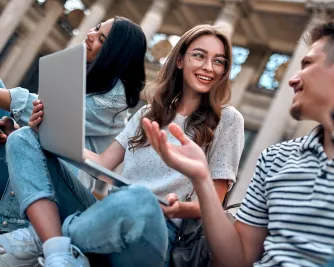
[118, 89]
[231, 117]
[283, 150]
[114, 98]
[140, 113]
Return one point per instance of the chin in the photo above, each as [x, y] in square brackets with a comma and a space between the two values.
[202, 90]
[296, 112]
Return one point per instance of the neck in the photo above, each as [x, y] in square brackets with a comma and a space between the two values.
[328, 143]
[189, 102]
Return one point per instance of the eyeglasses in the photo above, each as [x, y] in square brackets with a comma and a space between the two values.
[198, 59]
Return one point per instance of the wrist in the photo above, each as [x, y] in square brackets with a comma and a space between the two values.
[202, 179]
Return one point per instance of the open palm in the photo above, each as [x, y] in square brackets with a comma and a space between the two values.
[187, 158]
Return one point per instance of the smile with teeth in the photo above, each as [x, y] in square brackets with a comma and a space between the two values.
[88, 47]
[204, 78]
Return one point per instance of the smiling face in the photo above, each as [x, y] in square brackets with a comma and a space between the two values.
[95, 39]
[313, 85]
[208, 51]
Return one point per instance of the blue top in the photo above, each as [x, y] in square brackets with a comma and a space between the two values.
[102, 123]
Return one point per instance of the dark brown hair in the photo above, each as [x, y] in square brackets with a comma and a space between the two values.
[200, 125]
[320, 31]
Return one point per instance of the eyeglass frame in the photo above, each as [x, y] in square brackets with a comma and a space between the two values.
[207, 57]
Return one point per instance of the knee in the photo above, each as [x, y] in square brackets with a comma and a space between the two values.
[137, 207]
[19, 138]
[146, 203]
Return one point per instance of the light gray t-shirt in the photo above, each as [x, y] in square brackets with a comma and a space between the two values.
[144, 166]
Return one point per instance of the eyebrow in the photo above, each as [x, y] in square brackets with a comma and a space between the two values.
[303, 61]
[205, 51]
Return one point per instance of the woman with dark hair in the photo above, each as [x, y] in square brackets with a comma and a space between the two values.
[115, 76]
[193, 91]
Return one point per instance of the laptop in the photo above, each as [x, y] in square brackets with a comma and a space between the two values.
[62, 89]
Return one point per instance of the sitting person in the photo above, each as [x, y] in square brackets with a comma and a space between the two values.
[286, 218]
[128, 227]
[115, 76]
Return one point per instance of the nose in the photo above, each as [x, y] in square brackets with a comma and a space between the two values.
[208, 65]
[90, 37]
[294, 81]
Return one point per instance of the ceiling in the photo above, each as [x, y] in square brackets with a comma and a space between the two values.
[277, 24]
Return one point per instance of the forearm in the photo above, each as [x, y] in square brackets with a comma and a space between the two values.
[223, 238]
[110, 158]
[5, 99]
[188, 210]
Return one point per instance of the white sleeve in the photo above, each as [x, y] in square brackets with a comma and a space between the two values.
[225, 151]
[131, 127]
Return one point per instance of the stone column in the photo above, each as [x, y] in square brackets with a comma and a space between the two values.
[54, 9]
[12, 58]
[273, 127]
[11, 17]
[228, 17]
[247, 74]
[154, 17]
[98, 11]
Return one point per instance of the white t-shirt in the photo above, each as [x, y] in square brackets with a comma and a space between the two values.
[144, 166]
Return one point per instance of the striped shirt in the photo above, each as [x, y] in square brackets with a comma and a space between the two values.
[292, 195]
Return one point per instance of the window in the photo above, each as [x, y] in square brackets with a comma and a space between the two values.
[69, 5]
[239, 56]
[159, 37]
[268, 79]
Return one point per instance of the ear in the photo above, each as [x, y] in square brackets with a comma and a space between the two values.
[179, 62]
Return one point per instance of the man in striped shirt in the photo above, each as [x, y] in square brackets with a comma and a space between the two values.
[287, 216]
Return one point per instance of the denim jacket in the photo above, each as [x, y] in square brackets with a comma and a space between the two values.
[106, 116]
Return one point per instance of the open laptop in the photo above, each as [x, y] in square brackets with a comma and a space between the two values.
[62, 89]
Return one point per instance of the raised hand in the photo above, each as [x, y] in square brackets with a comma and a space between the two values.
[37, 115]
[187, 158]
[7, 126]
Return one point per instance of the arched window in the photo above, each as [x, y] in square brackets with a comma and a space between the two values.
[239, 56]
[156, 39]
[268, 79]
[69, 5]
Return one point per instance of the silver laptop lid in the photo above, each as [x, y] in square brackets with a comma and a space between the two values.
[62, 86]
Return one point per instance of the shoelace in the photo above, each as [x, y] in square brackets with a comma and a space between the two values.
[62, 259]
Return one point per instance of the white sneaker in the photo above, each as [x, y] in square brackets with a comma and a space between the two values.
[59, 252]
[20, 248]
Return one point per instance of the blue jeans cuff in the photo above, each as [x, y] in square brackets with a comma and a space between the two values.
[31, 199]
[67, 222]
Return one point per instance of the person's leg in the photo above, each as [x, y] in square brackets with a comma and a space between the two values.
[172, 232]
[3, 169]
[39, 181]
[128, 225]
[10, 218]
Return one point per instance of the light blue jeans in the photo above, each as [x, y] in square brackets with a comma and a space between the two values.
[10, 218]
[127, 228]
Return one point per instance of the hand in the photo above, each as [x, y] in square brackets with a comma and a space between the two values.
[172, 210]
[188, 158]
[7, 126]
[37, 115]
